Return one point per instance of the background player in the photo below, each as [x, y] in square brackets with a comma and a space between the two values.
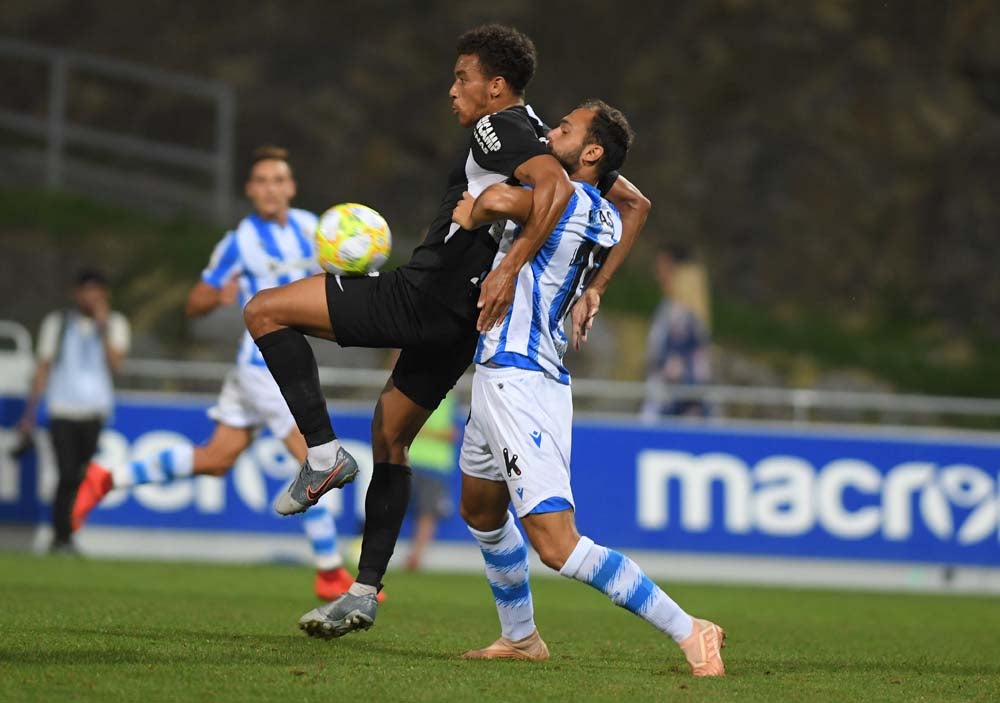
[271, 246]
[517, 440]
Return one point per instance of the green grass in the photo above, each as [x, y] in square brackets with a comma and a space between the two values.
[82, 630]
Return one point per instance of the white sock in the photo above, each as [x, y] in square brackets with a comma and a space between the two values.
[323, 456]
[322, 533]
[168, 465]
[621, 579]
[506, 558]
[362, 589]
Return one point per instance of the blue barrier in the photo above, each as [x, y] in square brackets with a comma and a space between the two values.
[783, 492]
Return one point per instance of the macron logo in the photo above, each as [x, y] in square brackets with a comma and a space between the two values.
[486, 138]
[536, 436]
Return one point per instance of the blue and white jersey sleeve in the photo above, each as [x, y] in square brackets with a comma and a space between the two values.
[306, 234]
[531, 336]
[224, 263]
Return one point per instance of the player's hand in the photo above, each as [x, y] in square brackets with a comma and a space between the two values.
[495, 297]
[583, 313]
[229, 292]
[462, 214]
[26, 425]
[100, 311]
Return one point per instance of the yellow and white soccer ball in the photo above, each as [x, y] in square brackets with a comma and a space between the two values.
[352, 239]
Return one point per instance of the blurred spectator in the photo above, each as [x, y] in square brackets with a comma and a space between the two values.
[79, 349]
[432, 457]
[678, 343]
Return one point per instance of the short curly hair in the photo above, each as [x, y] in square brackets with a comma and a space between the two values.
[502, 51]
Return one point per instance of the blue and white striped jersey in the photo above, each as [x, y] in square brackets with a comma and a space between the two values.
[532, 336]
[262, 254]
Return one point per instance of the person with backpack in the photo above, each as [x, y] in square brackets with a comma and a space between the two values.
[80, 348]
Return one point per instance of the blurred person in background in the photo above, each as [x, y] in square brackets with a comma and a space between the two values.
[677, 347]
[432, 458]
[79, 351]
[271, 246]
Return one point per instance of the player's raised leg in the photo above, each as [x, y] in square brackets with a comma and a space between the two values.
[560, 546]
[180, 461]
[278, 319]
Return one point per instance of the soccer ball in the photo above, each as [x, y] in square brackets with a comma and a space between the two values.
[352, 239]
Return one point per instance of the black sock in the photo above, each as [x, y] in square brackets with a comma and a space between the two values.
[290, 359]
[385, 507]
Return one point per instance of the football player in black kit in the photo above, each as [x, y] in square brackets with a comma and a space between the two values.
[432, 308]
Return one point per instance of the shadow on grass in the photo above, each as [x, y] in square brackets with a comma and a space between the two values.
[75, 646]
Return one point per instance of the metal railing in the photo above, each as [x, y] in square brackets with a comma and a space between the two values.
[58, 132]
[624, 398]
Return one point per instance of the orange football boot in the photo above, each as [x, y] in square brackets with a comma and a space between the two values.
[95, 485]
[703, 648]
[531, 648]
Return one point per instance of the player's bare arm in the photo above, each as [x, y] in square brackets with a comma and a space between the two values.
[204, 297]
[39, 382]
[634, 209]
[498, 202]
[552, 191]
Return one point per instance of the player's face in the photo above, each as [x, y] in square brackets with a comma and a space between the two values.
[567, 141]
[271, 188]
[470, 93]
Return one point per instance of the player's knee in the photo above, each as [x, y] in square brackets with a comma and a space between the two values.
[552, 555]
[258, 314]
[388, 445]
[469, 515]
[479, 519]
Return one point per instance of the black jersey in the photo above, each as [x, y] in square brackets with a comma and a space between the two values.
[451, 262]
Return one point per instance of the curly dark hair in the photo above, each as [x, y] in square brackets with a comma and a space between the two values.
[611, 130]
[502, 51]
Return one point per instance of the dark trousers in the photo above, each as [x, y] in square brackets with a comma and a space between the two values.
[75, 443]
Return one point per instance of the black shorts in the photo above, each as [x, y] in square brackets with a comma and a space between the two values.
[387, 312]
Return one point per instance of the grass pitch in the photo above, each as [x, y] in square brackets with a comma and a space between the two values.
[82, 630]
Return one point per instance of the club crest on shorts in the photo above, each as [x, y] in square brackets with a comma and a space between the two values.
[510, 461]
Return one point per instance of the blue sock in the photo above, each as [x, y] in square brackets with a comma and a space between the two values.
[168, 465]
[322, 533]
[506, 558]
[621, 579]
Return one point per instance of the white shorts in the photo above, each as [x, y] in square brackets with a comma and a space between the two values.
[250, 397]
[519, 432]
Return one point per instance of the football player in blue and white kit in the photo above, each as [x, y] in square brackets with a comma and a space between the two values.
[517, 440]
[272, 246]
